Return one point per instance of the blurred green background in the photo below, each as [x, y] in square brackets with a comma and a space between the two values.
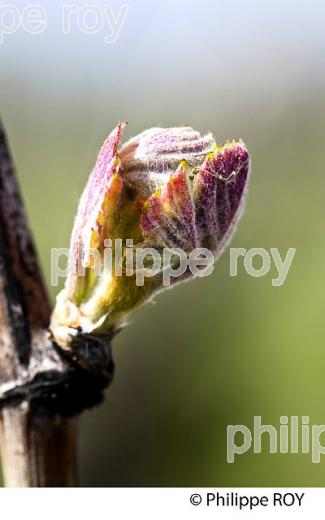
[218, 350]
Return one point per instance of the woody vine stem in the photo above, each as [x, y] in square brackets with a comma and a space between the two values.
[42, 391]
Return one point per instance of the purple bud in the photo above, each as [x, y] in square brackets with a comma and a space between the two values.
[166, 188]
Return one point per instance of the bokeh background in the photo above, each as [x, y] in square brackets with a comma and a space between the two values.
[219, 350]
